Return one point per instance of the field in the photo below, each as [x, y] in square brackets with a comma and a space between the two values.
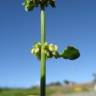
[53, 90]
[91, 93]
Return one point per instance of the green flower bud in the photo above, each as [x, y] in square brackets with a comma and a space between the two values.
[38, 55]
[49, 55]
[46, 46]
[45, 51]
[53, 47]
[56, 54]
[29, 5]
[56, 48]
[37, 45]
[32, 50]
[36, 50]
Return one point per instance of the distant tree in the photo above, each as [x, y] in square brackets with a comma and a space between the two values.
[1, 90]
[58, 83]
[55, 84]
[66, 82]
[94, 75]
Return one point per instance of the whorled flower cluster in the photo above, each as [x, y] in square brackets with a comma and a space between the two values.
[50, 50]
[31, 4]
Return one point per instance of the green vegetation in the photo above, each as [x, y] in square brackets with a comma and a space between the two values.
[51, 88]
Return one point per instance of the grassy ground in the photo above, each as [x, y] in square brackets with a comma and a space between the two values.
[50, 91]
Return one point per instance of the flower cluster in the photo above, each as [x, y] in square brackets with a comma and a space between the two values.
[50, 50]
[30, 4]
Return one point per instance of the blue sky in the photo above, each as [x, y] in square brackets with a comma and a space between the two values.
[72, 22]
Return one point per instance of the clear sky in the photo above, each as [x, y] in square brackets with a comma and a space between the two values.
[72, 22]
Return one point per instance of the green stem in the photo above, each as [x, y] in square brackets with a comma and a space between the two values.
[43, 57]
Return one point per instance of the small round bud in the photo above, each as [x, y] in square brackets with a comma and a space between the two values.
[47, 54]
[56, 47]
[26, 9]
[53, 47]
[32, 50]
[54, 53]
[37, 45]
[36, 50]
[46, 44]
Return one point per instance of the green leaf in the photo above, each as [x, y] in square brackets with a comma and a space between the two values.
[52, 3]
[70, 53]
